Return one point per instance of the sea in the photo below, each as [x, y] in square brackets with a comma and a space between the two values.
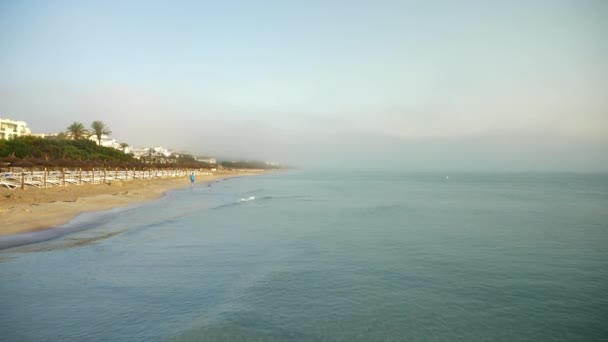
[324, 256]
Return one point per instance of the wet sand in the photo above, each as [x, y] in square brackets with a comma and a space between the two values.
[34, 209]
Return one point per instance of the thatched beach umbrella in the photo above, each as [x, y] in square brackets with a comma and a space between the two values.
[23, 163]
[97, 163]
[9, 160]
[42, 162]
[67, 163]
[81, 163]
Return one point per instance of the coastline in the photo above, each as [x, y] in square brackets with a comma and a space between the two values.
[35, 209]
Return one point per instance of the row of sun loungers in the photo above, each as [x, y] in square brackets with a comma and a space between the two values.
[57, 178]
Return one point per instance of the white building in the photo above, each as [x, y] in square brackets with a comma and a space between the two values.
[107, 142]
[160, 151]
[157, 151]
[207, 160]
[140, 152]
[11, 129]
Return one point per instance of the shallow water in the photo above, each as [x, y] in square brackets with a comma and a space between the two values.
[319, 256]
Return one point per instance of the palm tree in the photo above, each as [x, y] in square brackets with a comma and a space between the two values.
[124, 147]
[99, 128]
[77, 131]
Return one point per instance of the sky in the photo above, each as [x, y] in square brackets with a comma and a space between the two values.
[408, 85]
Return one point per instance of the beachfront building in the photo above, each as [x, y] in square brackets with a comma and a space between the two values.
[206, 160]
[107, 142]
[159, 151]
[156, 154]
[139, 152]
[11, 129]
[272, 164]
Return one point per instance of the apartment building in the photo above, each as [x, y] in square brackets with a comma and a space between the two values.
[10, 128]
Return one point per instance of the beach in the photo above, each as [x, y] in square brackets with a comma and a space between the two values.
[34, 208]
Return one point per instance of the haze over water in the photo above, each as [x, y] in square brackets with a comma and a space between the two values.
[305, 256]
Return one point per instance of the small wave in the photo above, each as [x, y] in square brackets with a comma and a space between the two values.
[265, 198]
[282, 197]
[226, 205]
[81, 222]
[232, 204]
[253, 198]
[255, 191]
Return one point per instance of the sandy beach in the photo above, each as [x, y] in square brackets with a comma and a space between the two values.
[42, 208]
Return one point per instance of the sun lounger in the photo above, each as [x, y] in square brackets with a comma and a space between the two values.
[8, 185]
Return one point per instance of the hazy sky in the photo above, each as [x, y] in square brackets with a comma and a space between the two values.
[427, 85]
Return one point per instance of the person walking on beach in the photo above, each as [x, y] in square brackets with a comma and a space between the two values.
[191, 178]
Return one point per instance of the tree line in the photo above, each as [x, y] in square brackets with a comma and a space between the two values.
[248, 165]
[29, 151]
[78, 131]
[73, 148]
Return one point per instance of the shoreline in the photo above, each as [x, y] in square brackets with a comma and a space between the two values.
[39, 209]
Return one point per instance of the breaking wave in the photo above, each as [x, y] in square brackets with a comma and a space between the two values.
[245, 200]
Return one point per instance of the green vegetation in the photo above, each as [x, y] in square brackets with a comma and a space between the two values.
[31, 151]
[73, 148]
[77, 131]
[248, 165]
[55, 149]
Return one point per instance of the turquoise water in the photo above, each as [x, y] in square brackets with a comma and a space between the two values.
[304, 256]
